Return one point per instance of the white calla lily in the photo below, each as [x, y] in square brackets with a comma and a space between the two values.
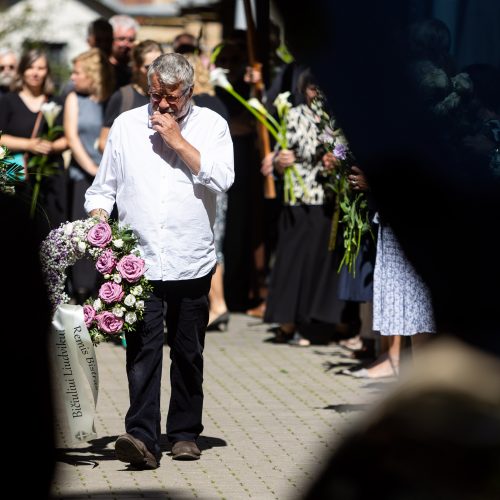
[218, 78]
[50, 111]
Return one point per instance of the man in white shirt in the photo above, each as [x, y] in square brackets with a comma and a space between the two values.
[163, 165]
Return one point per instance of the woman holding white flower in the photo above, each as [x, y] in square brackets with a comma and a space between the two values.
[304, 278]
[27, 114]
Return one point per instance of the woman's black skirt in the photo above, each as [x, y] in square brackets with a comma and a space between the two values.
[304, 279]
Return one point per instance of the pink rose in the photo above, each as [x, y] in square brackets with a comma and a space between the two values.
[111, 292]
[131, 268]
[100, 234]
[88, 314]
[109, 323]
[106, 262]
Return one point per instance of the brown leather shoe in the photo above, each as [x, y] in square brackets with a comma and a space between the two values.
[133, 451]
[185, 450]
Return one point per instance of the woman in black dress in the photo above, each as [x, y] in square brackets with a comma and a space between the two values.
[19, 110]
[304, 278]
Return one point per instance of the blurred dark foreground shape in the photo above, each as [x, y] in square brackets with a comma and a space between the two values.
[436, 436]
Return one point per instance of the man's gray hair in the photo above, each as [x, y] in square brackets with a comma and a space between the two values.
[6, 52]
[172, 69]
[123, 21]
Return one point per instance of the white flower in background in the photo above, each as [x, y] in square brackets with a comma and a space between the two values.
[82, 246]
[2, 152]
[97, 304]
[50, 111]
[117, 278]
[255, 103]
[68, 229]
[117, 311]
[130, 318]
[118, 243]
[136, 290]
[282, 104]
[139, 305]
[129, 300]
[218, 78]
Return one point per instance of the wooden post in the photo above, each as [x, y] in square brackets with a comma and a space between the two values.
[258, 87]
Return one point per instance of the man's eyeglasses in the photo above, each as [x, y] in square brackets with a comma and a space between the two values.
[171, 99]
[7, 66]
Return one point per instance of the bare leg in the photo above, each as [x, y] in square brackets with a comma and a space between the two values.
[216, 298]
[387, 364]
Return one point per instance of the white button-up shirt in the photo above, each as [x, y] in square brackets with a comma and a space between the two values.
[171, 210]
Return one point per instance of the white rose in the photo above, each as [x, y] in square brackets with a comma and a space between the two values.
[118, 243]
[137, 290]
[117, 278]
[97, 304]
[129, 300]
[117, 311]
[82, 246]
[130, 318]
[139, 305]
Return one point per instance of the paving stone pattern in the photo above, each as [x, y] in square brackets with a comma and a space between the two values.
[272, 415]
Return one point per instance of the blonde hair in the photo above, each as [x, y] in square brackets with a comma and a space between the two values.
[96, 66]
[202, 83]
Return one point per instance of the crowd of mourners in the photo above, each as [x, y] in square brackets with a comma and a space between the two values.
[273, 256]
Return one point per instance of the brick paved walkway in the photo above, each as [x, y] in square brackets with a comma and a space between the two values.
[272, 414]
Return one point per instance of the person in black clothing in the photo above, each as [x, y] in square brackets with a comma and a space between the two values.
[125, 30]
[22, 133]
[134, 94]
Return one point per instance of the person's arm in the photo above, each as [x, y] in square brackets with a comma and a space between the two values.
[212, 167]
[100, 196]
[71, 132]
[103, 137]
[112, 112]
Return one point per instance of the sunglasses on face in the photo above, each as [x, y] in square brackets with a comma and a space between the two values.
[130, 39]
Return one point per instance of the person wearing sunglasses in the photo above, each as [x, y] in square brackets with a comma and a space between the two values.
[163, 165]
[8, 66]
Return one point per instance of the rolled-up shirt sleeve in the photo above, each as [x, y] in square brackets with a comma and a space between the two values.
[102, 192]
[217, 160]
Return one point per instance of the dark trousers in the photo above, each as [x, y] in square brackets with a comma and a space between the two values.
[186, 304]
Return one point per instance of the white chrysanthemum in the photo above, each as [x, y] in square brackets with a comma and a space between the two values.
[68, 229]
[136, 290]
[117, 311]
[97, 304]
[117, 278]
[118, 243]
[218, 78]
[139, 305]
[130, 318]
[129, 300]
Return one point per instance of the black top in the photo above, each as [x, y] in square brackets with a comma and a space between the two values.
[115, 105]
[17, 120]
[212, 102]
